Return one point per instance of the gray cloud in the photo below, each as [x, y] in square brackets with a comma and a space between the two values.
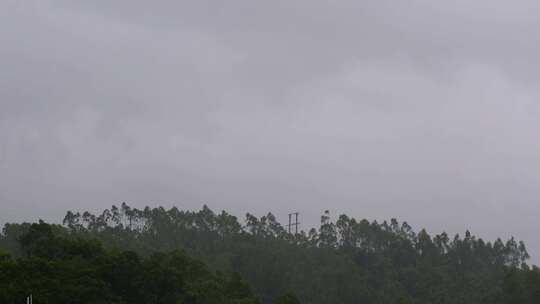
[422, 111]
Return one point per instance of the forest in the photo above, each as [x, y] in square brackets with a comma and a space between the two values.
[155, 255]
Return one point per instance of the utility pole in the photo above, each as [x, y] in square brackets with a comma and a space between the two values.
[295, 224]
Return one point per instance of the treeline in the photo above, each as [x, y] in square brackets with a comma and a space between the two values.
[57, 269]
[346, 261]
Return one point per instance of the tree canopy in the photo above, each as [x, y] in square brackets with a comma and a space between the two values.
[342, 261]
[57, 269]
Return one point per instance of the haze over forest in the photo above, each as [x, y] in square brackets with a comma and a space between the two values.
[418, 110]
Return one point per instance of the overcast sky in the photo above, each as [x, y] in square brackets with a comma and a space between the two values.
[423, 110]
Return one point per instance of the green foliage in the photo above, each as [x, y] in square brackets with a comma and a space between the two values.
[58, 269]
[522, 287]
[288, 298]
[346, 261]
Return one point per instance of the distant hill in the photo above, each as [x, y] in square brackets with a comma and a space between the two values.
[347, 261]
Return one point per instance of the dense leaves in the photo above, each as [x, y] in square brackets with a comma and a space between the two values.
[57, 269]
[346, 261]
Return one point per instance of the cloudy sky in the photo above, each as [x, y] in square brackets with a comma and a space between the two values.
[423, 110]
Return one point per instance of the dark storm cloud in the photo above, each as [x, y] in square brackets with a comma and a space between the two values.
[413, 109]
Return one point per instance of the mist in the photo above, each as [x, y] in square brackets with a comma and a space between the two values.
[423, 112]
